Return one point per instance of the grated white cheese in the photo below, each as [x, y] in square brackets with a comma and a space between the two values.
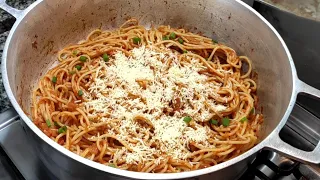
[116, 91]
[195, 135]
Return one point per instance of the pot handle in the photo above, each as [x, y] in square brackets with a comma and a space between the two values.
[275, 142]
[13, 11]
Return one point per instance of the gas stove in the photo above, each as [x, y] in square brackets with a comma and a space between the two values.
[19, 160]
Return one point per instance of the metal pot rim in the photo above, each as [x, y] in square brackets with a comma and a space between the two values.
[139, 175]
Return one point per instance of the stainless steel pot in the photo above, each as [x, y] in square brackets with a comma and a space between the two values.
[48, 25]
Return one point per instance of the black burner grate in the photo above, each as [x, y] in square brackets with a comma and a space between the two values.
[8, 171]
[278, 171]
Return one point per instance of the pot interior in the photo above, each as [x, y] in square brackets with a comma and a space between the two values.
[51, 25]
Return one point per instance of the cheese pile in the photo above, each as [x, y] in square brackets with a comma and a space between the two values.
[118, 92]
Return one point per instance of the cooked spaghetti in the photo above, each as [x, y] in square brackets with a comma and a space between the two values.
[161, 100]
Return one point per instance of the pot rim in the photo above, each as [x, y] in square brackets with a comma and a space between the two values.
[141, 175]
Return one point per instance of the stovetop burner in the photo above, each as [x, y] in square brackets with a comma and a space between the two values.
[18, 160]
[264, 168]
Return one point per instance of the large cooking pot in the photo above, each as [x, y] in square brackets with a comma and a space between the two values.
[49, 25]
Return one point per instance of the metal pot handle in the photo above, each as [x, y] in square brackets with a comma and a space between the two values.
[275, 142]
[13, 11]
